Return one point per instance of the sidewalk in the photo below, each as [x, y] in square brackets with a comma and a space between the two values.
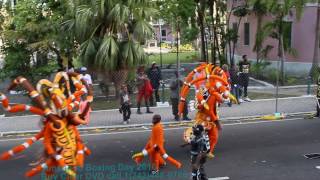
[113, 117]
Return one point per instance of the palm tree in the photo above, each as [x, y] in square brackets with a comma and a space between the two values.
[110, 34]
[260, 10]
[280, 9]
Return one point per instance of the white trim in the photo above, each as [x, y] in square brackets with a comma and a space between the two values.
[312, 4]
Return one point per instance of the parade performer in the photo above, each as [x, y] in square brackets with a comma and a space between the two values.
[155, 148]
[200, 146]
[215, 90]
[57, 106]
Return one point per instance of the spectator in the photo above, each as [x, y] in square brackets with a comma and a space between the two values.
[225, 69]
[125, 104]
[234, 77]
[154, 74]
[175, 86]
[86, 76]
[144, 89]
[244, 66]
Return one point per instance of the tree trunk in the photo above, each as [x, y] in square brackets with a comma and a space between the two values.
[214, 32]
[201, 9]
[258, 42]
[118, 78]
[315, 62]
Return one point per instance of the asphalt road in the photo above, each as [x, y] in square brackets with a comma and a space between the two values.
[270, 150]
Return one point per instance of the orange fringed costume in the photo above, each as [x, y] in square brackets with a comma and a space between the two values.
[63, 146]
[155, 148]
[214, 90]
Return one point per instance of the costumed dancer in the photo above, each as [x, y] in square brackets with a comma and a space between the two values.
[200, 146]
[155, 148]
[63, 146]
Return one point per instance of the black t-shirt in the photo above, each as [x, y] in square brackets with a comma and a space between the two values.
[244, 67]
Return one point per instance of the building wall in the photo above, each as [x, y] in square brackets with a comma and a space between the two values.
[168, 37]
[302, 39]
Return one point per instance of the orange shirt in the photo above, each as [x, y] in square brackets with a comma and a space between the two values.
[157, 135]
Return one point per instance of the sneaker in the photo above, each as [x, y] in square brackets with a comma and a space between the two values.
[125, 122]
[154, 172]
[247, 99]
[129, 120]
[139, 112]
[177, 118]
[241, 100]
[186, 119]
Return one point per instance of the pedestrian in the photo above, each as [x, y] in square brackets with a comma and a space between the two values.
[234, 77]
[86, 76]
[84, 103]
[200, 147]
[154, 74]
[144, 89]
[244, 67]
[175, 86]
[125, 104]
[225, 69]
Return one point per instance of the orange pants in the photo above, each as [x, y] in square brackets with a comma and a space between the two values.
[213, 134]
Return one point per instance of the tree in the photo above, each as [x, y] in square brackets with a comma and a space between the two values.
[260, 10]
[29, 31]
[110, 34]
[278, 27]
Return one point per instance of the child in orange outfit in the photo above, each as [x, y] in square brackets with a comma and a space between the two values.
[155, 148]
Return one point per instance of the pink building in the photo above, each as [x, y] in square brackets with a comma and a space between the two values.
[302, 34]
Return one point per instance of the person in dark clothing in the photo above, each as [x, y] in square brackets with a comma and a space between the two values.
[175, 86]
[154, 74]
[234, 76]
[200, 147]
[125, 104]
[244, 67]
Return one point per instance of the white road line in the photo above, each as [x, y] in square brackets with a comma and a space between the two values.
[318, 167]
[219, 178]
[169, 129]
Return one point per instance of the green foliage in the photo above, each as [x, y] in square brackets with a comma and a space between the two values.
[240, 11]
[31, 35]
[258, 69]
[110, 33]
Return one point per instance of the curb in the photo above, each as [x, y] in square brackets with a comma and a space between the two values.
[148, 125]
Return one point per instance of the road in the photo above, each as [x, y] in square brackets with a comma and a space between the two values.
[271, 150]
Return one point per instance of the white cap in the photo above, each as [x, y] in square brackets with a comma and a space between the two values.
[83, 69]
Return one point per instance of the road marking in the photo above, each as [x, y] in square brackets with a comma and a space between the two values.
[318, 167]
[177, 128]
[219, 178]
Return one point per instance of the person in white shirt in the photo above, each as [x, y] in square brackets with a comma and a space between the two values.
[86, 76]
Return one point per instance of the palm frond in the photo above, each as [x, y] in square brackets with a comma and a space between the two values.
[107, 55]
[142, 30]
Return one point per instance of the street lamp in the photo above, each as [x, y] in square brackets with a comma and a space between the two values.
[160, 22]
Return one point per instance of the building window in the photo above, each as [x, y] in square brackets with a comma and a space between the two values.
[287, 34]
[247, 34]
[234, 26]
[164, 33]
